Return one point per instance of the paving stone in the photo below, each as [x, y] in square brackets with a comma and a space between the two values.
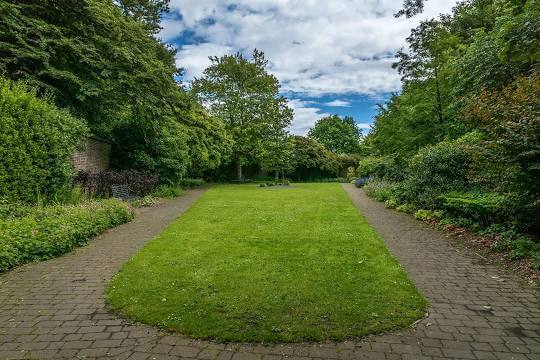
[56, 310]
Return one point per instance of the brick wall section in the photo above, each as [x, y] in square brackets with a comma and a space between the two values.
[95, 157]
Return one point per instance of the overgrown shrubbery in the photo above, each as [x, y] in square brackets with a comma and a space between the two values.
[165, 191]
[435, 170]
[99, 183]
[37, 140]
[37, 233]
[190, 183]
[383, 167]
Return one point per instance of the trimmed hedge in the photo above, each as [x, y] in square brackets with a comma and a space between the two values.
[37, 140]
[41, 233]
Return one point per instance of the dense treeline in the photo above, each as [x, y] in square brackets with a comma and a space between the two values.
[102, 62]
[463, 136]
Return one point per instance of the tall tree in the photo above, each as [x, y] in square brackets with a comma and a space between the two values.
[411, 8]
[109, 70]
[146, 11]
[340, 135]
[246, 97]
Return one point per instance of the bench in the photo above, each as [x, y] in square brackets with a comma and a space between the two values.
[122, 192]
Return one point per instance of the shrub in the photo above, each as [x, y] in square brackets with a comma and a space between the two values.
[190, 183]
[428, 215]
[381, 190]
[391, 203]
[523, 247]
[146, 201]
[37, 141]
[382, 167]
[165, 191]
[99, 183]
[351, 174]
[406, 208]
[45, 232]
[436, 170]
[486, 207]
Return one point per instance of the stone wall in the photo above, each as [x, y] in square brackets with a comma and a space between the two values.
[95, 157]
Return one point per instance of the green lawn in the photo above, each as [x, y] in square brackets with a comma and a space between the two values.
[268, 265]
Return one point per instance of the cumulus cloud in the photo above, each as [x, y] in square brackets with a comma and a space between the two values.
[305, 115]
[338, 103]
[315, 47]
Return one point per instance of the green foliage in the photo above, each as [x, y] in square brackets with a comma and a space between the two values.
[472, 73]
[190, 183]
[486, 207]
[146, 201]
[340, 135]
[435, 170]
[311, 160]
[379, 189]
[382, 167]
[37, 142]
[246, 97]
[524, 247]
[146, 11]
[428, 215]
[351, 174]
[165, 191]
[406, 208]
[45, 232]
[103, 62]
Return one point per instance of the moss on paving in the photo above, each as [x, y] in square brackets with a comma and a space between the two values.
[259, 265]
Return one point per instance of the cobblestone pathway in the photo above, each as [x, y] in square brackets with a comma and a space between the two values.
[55, 309]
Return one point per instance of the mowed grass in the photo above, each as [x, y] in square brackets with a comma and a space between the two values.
[268, 265]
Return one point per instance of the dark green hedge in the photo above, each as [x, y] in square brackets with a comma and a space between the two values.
[37, 140]
[38, 233]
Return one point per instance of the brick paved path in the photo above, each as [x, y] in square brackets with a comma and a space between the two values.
[55, 309]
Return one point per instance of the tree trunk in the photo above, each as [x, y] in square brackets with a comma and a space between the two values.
[277, 176]
[239, 171]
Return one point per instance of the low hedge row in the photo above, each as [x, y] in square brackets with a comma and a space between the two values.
[45, 232]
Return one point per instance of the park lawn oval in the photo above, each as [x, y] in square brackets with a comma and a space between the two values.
[257, 264]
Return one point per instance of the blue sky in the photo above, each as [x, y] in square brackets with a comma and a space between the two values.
[331, 57]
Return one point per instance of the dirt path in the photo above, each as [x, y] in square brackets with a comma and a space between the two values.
[56, 309]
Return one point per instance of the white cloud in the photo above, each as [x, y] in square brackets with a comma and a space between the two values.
[194, 58]
[338, 103]
[304, 116]
[315, 47]
[364, 126]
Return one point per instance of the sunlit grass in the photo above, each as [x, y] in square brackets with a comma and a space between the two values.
[268, 265]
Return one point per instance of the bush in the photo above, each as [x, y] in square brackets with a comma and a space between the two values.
[524, 247]
[383, 167]
[190, 183]
[486, 207]
[165, 191]
[45, 232]
[380, 190]
[428, 215]
[146, 201]
[37, 142]
[436, 170]
[406, 208]
[99, 183]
